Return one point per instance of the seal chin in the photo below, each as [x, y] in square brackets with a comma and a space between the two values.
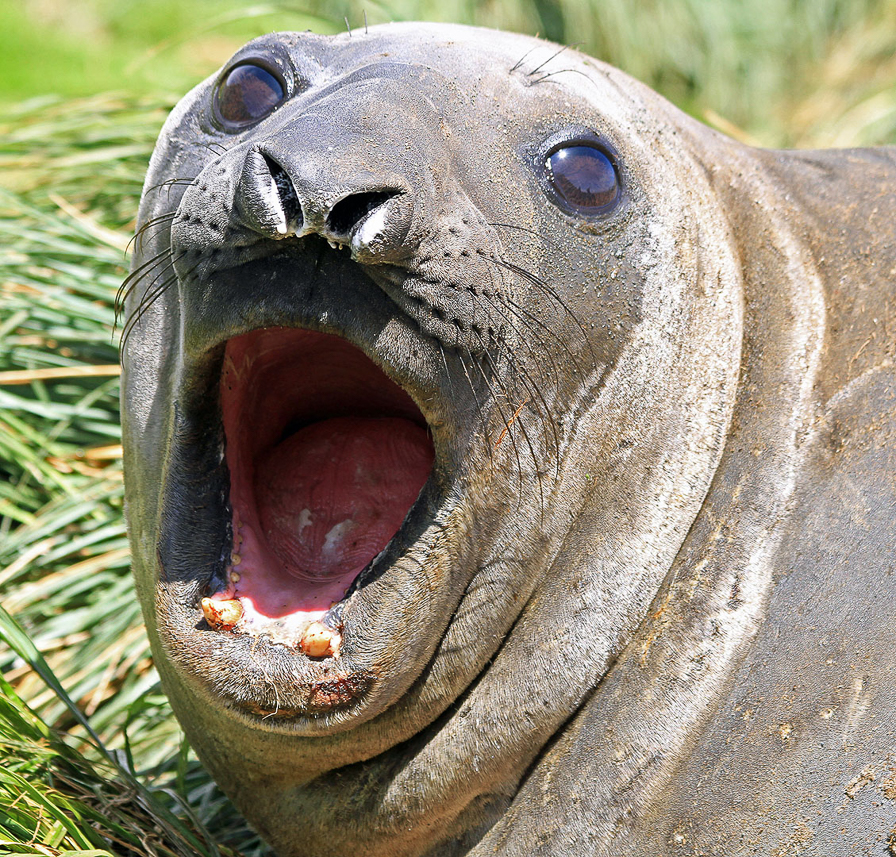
[326, 456]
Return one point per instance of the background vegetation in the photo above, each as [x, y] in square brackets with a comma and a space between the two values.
[99, 766]
[785, 72]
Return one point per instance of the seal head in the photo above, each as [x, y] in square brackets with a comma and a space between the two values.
[427, 378]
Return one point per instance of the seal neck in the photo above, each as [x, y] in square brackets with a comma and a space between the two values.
[648, 711]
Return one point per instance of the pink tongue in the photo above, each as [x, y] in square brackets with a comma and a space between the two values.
[331, 496]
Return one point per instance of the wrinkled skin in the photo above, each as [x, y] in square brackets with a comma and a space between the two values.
[643, 603]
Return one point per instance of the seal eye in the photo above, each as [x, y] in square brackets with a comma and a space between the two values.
[247, 94]
[584, 178]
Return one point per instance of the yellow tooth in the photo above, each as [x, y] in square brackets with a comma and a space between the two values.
[319, 641]
[221, 615]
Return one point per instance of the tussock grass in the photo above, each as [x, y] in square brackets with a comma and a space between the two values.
[56, 799]
[101, 767]
[781, 71]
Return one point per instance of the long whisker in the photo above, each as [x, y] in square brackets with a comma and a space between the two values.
[529, 382]
[562, 71]
[541, 284]
[522, 59]
[553, 56]
[131, 280]
[447, 373]
[170, 183]
[532, 232]
[532, 387]
[145, 304]
[151, 297]
[519, 311]
[479, 409]
[506, 421]
[156, 221]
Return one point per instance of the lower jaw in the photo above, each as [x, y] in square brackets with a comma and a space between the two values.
[392, 623]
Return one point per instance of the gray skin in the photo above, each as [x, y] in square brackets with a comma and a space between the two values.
[656, 616]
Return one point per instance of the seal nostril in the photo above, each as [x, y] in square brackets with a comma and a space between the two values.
[351, 210]
[289, 199]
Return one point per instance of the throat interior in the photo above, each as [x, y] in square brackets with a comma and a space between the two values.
[326, 456]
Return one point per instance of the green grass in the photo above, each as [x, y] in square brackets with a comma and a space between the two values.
[87, 800]
[93, 759]
[79, 47]
[107, 740]
[782, 72]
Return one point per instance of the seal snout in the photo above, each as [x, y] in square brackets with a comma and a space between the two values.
[370, 217]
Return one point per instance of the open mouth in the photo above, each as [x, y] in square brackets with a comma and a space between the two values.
[326, 457]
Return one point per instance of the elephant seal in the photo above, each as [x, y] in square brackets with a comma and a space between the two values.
[509, 458]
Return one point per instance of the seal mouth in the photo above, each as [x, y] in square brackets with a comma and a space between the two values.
[314, 529]
[326, 455]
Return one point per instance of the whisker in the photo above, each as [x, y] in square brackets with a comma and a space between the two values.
[529, 382]
[530, 321]
[529, 385]
[156, 221]
[506, 421]
[554, 56]
[522, 59]
[541, 284]
[447, 373]
[151, 297]
[562, 71]
[132, 279]
[170, 183]
[530, 232]
[145, 305]
[517, 309]
[479, 409]
[219, 149]
[532, 387]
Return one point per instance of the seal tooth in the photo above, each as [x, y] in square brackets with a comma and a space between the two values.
[319, 641]
[221, 615]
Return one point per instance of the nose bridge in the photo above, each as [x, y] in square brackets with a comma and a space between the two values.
[363, 137]
[327, 164]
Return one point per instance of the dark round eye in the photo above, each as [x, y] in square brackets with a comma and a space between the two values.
[247, 94]
[584, 178]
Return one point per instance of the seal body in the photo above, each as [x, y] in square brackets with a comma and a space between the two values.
[510, 458]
